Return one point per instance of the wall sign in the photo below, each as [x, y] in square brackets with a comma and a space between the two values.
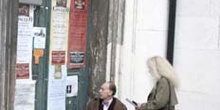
[77, 34]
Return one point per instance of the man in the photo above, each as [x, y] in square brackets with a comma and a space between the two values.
[106, 101]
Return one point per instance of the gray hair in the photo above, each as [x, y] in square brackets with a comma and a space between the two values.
[112, 87]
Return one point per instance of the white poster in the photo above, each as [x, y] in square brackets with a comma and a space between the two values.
[72, 86]
[39, 34]
[24, 41]
[58, 49]
[25, 26]
[57, 87]
[24, 95]
[59, 27]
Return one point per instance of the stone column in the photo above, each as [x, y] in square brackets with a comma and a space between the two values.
[98, 31]
[105, 38]
[8, 41]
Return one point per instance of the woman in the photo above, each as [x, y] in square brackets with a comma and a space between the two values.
[162, 96]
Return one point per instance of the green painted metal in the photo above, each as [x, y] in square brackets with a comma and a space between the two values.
[40, 72]
[78, 102]
[34, 2]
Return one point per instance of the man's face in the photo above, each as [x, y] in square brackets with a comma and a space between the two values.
[104, 91]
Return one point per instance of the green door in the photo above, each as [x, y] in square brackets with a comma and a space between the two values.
[40, 71]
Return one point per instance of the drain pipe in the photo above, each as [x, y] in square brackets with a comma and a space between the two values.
[171, 30]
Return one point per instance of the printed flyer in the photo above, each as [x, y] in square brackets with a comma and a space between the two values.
[24, 41]
[77, 34]
[59, 27]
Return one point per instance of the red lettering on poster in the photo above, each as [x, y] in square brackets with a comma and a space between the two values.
[77, 33]
[22, 71]
[58, 57]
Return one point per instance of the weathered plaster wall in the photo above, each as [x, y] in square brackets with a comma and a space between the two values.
[145, 35]
[197, 54]
[98, 32]
[106, 36]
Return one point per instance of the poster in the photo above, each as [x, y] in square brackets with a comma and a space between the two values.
[72, 86]
[24, 40]
[59, 31]
[77, 58]
[24, 95]
[77, 34]
[59, 28]
[39, 34]
[58, 57]
[22, 71]
[59, 24]
[57, 87]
